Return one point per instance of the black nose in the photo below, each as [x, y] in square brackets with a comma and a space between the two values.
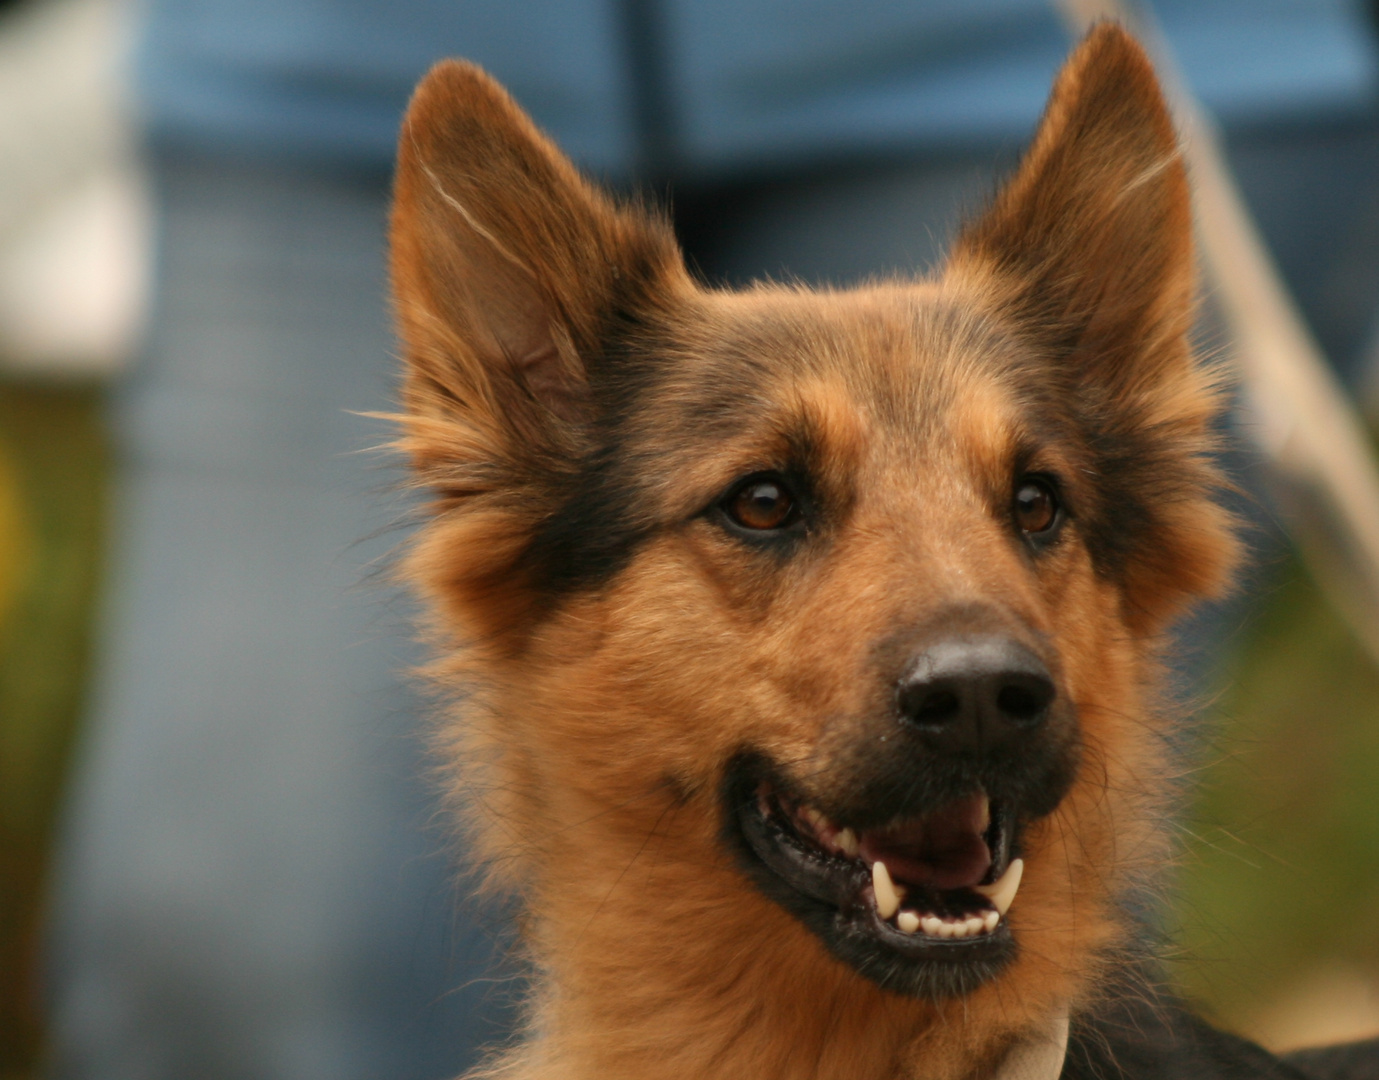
[975, 694]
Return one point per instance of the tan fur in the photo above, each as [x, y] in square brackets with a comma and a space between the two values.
[596, 724]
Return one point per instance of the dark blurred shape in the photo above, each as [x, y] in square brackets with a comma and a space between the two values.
[653, 109]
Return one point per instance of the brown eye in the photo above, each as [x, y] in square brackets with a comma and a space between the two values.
[1036, 507]
[761, 504]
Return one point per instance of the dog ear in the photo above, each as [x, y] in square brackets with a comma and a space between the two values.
[507, 270]
[1087, 251]
[1091, 240]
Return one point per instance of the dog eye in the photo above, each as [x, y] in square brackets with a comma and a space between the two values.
[1036, 507]
[761, 503]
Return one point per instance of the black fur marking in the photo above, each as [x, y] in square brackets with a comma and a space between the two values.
[1126, 469]
[1134, 1033]
[595, 528]
[1350, 1061]
[593, 535]
[607, 514]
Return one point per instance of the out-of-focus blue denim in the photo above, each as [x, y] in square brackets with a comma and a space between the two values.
[722, 85]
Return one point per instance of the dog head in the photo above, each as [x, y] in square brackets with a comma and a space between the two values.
[795, 625]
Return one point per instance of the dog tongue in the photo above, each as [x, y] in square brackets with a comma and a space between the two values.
[944, 850]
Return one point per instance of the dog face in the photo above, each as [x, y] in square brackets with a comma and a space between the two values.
[796, 625]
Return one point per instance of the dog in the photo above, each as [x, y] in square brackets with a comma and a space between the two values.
[810, 643]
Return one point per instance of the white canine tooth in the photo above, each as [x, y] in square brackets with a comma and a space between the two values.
[887, 899]
[985, 822]
[847, 840]
[992, 918]
[1002, 891]
[907, 921]
[975, 925]
[960, 928]
[946, 929]
[931, 925]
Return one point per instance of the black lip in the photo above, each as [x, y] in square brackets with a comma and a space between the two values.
[827, 894]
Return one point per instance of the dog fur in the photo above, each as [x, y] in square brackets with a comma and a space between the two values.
[582, 409]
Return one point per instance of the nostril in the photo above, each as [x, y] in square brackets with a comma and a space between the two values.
[929, 707]
[1025, 701]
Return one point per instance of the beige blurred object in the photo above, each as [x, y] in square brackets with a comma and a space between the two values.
[75, 217]
[1329, 1005]
[1298, 413]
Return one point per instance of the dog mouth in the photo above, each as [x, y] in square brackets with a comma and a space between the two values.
[919, 903]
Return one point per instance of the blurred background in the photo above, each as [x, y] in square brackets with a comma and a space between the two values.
[219, 849]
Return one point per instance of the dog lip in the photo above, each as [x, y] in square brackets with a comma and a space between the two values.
[804, 866]
[865, 919]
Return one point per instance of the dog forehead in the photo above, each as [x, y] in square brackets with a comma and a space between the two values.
[893, 369]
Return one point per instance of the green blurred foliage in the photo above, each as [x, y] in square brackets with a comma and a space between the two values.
[53, 469]
[1281, 870]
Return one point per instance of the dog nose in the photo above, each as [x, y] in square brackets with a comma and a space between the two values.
[975, 694]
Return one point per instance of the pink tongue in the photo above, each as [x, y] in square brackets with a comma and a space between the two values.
[944, 851]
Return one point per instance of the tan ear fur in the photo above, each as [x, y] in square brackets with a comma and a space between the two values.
[509, 271]
[1093, 234]
[506, 264]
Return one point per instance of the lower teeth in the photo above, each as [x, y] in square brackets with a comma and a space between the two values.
[932, 926]
[1000, 893]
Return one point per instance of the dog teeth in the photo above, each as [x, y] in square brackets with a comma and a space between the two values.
[984, 822]
[935, 927]
[1002, 891]
[974, 925]
[828, 834]
[887, 898]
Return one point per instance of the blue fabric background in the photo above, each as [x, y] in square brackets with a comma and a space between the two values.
[748, 82]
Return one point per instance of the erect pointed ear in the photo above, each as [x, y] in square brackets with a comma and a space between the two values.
[507, 269]
[1092, 238]
[1087, 253]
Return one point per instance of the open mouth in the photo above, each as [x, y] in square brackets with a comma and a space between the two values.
[919, 904]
